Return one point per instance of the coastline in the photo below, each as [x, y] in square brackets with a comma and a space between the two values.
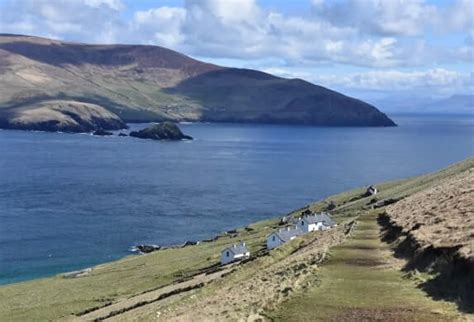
[133, 252]
[131, 275]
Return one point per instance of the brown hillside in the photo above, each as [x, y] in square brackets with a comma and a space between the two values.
[150, 83]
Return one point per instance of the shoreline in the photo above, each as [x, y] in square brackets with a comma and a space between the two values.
[132, 278]
[131, 254]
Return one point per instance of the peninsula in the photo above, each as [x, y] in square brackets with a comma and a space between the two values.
[105, 86]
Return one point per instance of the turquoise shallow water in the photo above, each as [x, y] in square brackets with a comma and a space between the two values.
[68, 201]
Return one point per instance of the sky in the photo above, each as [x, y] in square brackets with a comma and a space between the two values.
[377, 50]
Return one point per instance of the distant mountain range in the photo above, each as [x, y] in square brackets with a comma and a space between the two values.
[137, 83]
[452, 104]
[455, 104]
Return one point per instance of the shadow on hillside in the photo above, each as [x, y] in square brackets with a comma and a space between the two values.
[453, 275]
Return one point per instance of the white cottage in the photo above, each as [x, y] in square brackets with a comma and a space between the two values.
[282, 236]
[315, 222]
[234, 253]
[371, 191]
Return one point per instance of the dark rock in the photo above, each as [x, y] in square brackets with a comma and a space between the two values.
[372, 201]
[331, 206]
[190, 243]
[102, 132]
[147, 248]
[122, 134]
[162, 131]
[210, 239]
[386, 202]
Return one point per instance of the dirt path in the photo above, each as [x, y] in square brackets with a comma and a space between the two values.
[360, 281]
[248, 288]
[254, 287]
[363, 281]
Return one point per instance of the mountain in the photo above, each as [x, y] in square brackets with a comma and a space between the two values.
[149, 83]
[453, 104]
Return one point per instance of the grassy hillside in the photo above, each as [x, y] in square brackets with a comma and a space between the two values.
[150, 83]
[117, 282]
[358, 283]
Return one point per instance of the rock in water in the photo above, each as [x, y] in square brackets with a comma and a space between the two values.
[102, 132]
[161, 131]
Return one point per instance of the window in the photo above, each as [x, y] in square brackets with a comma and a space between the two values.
[302, 223]
[227, 254]
[273, 238]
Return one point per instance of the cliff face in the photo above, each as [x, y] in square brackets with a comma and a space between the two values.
[149, 83]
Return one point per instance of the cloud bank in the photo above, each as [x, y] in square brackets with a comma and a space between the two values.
[393, 44]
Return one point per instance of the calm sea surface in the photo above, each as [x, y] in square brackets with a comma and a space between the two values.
[69, 201]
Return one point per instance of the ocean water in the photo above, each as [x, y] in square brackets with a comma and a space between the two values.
[69, 201]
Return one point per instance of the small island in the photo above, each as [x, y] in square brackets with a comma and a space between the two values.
[162, 131]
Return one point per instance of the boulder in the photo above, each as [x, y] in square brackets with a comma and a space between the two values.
[147, 248]
[161, 131]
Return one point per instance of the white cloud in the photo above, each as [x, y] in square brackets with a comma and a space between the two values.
[382, 17]
[112, 4]
[76, 20]
[160, 25]
[437, 79]
[373, 33]
[241, 29]
[458, 17]
[380, 34]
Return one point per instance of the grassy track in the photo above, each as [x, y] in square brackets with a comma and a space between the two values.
[362, 281]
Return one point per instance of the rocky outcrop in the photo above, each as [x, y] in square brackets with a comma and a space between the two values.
[161, 131]
[102, 132]
[145, 249]
[61, 116]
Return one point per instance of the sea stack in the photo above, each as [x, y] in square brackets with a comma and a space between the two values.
[162, 131]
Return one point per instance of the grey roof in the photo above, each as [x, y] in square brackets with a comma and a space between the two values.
[237, 249]
[327, 220]
[287, 234]
[322, 217]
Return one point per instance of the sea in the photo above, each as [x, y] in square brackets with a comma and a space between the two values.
[70, 201]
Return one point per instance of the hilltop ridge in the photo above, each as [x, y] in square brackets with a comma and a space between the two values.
[141, 83]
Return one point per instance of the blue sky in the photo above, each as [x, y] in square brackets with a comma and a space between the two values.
[378, 50]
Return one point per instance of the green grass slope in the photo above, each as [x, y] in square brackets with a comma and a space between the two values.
[359, 282]
[58, 297]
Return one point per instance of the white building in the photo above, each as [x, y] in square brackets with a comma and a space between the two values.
[315, 222]
[282, 236]
[234, 253]
[371, 191]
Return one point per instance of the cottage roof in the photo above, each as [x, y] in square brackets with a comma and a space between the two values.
[287, 234]
[317, 218]
[237, 249]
